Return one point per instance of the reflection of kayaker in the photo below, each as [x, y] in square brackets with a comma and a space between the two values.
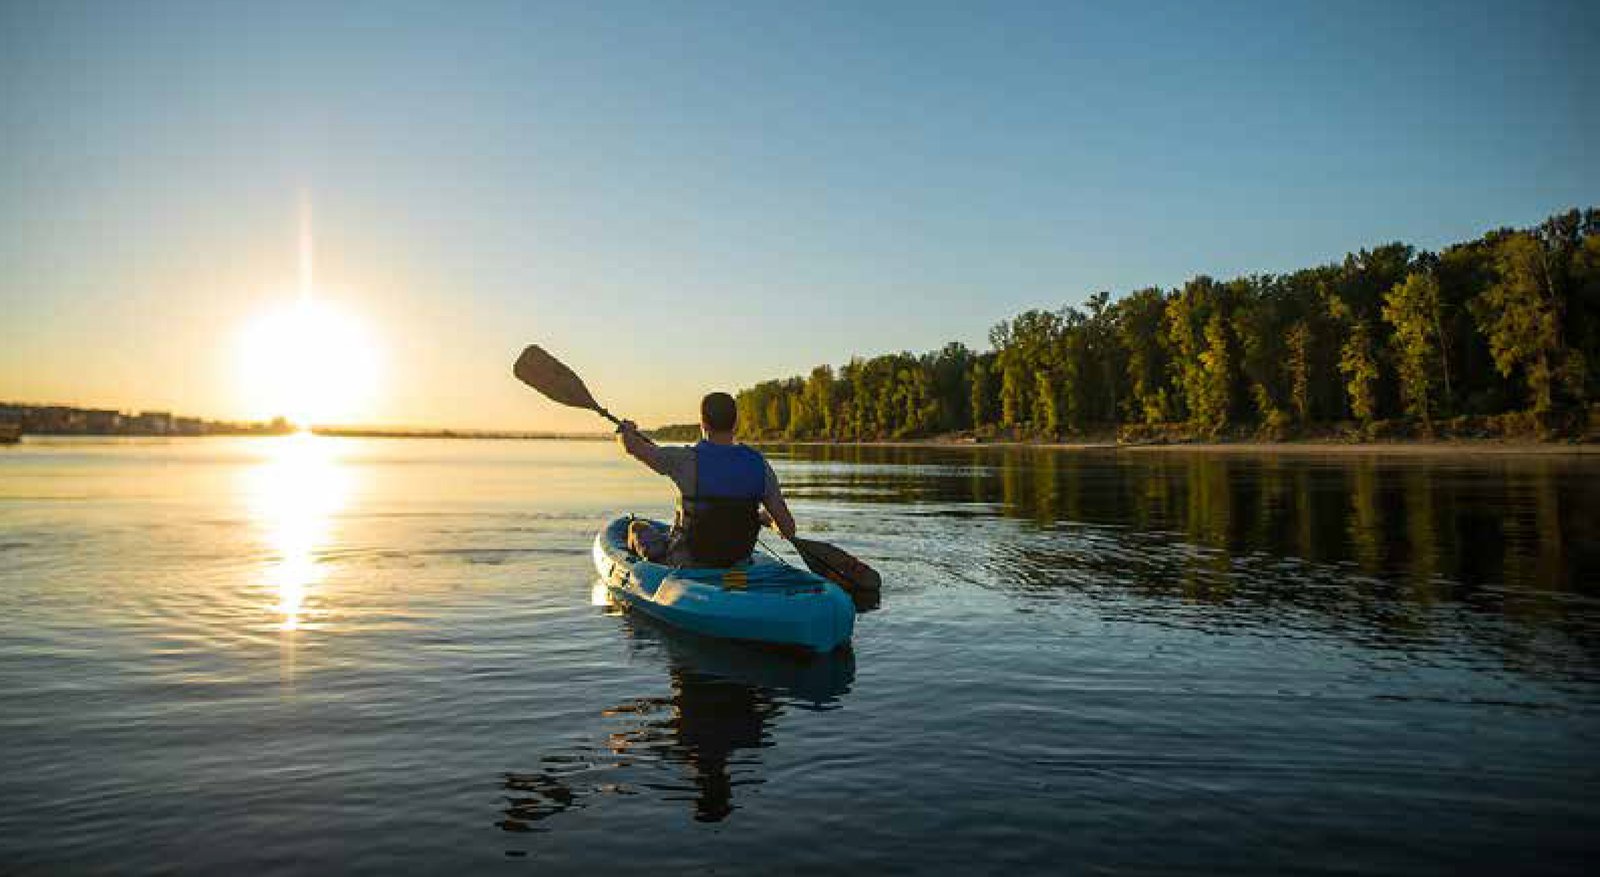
[701, 725]
[726, 699]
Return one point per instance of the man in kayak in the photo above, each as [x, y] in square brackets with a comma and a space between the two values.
[723, 487]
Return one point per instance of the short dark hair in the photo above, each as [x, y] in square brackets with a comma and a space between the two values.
[718, 412]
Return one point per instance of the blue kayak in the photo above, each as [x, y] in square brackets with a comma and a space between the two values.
[763, 600]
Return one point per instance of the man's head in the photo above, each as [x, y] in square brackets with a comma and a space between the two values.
[718, 413]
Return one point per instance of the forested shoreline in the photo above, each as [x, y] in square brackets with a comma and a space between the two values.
[1498, 335]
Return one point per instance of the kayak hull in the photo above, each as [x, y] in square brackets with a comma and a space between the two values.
[763, 601]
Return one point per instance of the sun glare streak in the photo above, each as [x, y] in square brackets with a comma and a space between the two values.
[309, 360]
[294, 495]
[307, 251]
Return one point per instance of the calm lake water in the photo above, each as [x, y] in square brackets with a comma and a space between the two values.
[338, 655]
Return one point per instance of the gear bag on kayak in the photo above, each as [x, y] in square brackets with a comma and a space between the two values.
[720, 521]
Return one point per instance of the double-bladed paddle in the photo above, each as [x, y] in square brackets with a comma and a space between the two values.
[550, 376]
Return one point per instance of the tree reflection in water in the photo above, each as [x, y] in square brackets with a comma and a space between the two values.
[1378, 547]
[700, 743]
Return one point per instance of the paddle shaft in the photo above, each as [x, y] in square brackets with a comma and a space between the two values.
[617, 421]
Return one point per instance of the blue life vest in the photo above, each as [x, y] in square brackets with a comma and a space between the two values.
[720, 521]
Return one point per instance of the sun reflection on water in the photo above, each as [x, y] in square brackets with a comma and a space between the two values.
[294, 494]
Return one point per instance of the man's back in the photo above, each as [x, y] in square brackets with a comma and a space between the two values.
[681, 463]
[721, 486]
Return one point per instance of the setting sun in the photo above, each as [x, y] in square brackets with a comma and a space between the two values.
[309, 362]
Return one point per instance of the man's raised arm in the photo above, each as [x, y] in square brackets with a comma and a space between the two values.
[639, 447]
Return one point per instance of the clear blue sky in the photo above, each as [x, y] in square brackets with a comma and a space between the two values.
[680, 196]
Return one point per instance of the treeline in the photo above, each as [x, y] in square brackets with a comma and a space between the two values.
[1507, 323]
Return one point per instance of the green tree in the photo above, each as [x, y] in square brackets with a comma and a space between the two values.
[950, 370]
[1582, 292]
[1013, 395]
[1186, 319]
[1140, 324]
[982, 403]
[1068, 368]
[1412, 308]
[1260, 331]
[1520, 316]
[1216, 369]
[1358, 363]
[1197, 323]
[1047, 408]
[1023, 346]
[1103, 366]
[819, 397]
[801, 420]
[1298, 343]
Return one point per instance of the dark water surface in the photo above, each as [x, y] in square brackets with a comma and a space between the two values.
[328, 655]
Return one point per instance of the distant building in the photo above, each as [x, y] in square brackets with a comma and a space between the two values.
[66, 420]
[53, 418]
[152, 423]
[98, 421]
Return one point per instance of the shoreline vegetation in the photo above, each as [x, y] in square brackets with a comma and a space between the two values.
[1493, 339]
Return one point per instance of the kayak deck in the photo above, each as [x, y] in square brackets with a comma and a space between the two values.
[763, 600]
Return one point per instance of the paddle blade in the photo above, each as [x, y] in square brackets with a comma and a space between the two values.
[548, 375]
[833, 562]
